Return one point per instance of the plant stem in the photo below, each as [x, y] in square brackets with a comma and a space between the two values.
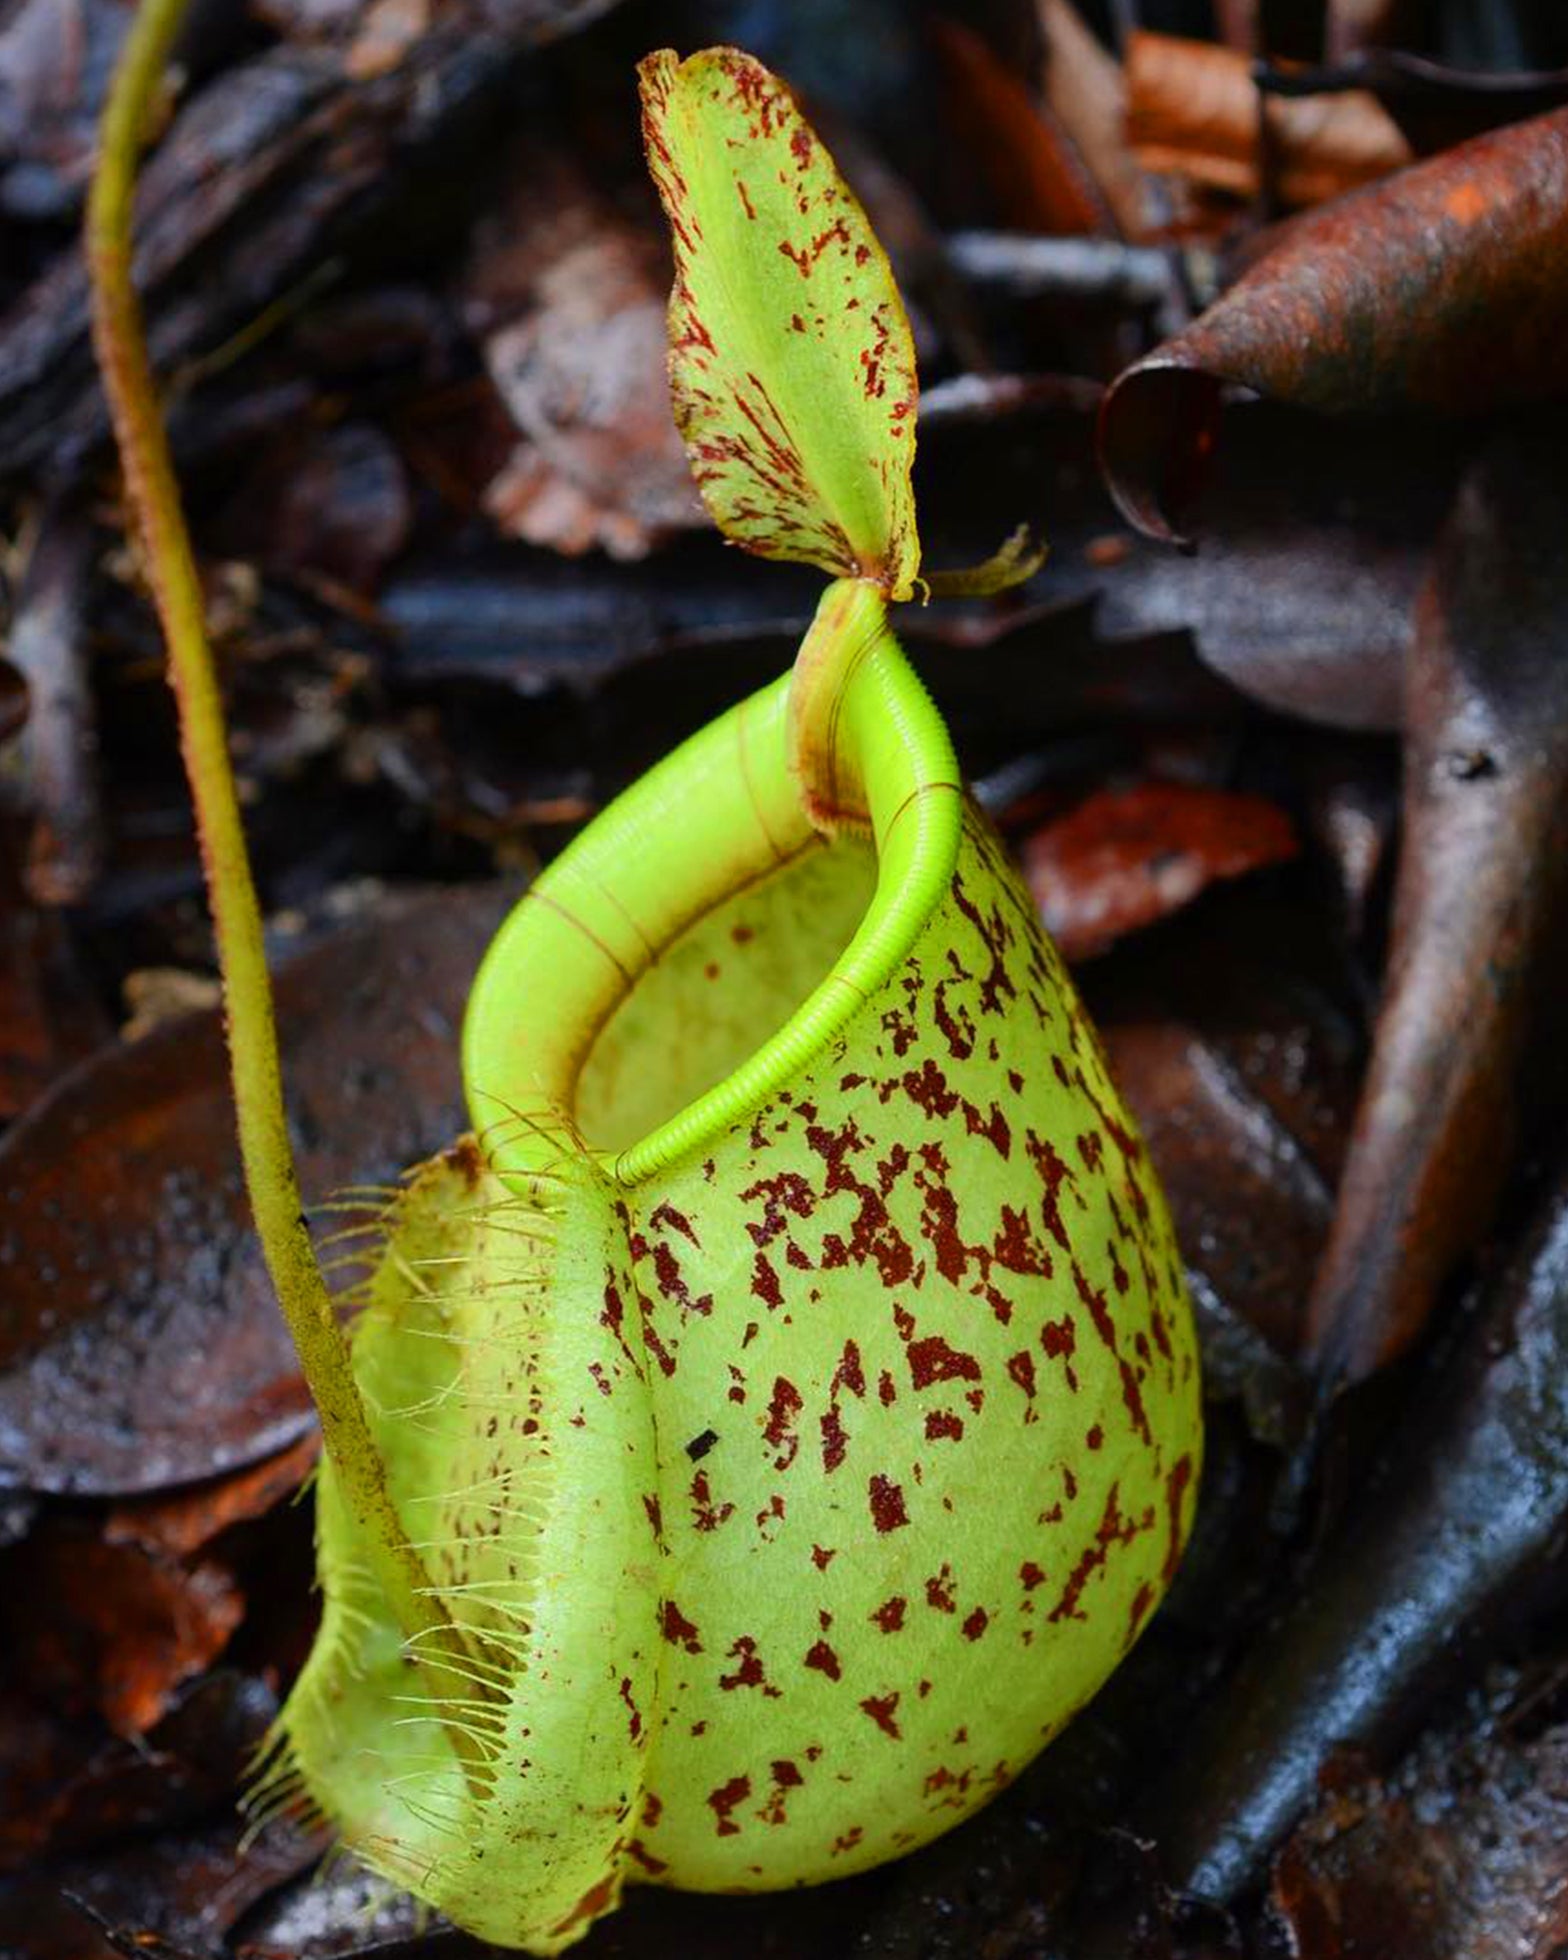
[265, 1150]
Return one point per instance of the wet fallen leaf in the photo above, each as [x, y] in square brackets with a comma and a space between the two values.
[1462, 1854]
[1469, 1019]
[69, 1786]
[114, 1623]
[177, 1523]
[339, 1913]
[1125, 858]
[1436, 289]
[1242, 1077]
[339, 1909]
[139, 1346]
[166, 1898]
[1453, 1535]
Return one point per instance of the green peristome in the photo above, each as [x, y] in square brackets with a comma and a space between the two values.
[792, 367]
[795, 1457]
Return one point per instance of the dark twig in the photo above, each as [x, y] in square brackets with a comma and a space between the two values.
[1099, 269]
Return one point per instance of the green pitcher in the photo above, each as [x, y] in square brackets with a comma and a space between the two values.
[778, 1417]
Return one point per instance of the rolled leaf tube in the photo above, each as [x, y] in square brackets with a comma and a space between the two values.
[798, 1425]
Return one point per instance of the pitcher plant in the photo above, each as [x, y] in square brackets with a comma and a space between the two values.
[777, 1418]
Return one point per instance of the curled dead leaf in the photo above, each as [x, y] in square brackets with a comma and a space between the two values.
[1441, 287]
[570, 297]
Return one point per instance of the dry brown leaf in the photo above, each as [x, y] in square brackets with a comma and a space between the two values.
[1034, 172]
[1351, 27]
[1085, 92]
[570, 299]
[1193, 109]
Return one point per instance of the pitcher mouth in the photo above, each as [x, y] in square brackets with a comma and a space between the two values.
[719, 815]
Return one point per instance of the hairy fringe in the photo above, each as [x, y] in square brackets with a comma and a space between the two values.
[489, 1329]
